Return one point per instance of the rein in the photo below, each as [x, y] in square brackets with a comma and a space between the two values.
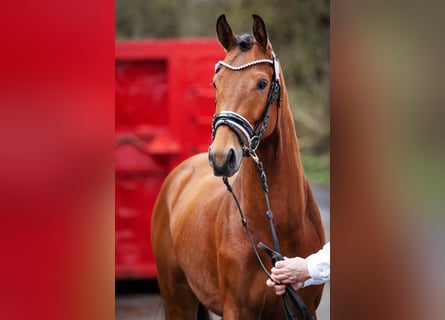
[253, 135]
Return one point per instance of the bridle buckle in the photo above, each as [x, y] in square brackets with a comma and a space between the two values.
[254, 142]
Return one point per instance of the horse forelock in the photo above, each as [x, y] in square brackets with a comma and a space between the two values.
[244, 41]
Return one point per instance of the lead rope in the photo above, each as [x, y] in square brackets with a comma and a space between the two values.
[290, 294]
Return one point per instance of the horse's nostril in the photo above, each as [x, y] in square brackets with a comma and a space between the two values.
[223, 163]
[231, 159]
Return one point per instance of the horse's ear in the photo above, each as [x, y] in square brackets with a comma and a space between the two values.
[224, 32]
[259, 31]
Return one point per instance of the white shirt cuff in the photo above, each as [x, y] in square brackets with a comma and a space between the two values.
[319, 266]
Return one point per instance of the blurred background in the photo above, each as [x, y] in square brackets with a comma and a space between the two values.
[299, 33]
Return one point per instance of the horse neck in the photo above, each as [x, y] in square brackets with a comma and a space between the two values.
[280, 157]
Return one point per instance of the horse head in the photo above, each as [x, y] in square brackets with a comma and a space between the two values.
[247, 85]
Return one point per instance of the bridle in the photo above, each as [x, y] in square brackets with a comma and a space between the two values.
[252, 138]
[248, 135]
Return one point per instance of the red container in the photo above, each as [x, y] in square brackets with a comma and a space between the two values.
[164, 109]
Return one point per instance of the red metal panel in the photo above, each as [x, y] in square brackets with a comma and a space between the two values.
[139, 83]
[164, 105]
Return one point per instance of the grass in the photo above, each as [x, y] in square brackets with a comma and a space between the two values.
[317, 168]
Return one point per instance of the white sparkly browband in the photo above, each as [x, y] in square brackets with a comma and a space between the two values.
[244, 66]
[273, 62]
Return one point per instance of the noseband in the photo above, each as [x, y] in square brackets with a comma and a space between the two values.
[237, 123]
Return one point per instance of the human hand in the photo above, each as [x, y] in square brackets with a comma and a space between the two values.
[290, 270]
[281, 288]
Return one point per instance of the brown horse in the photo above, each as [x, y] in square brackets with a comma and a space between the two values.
[202, 252]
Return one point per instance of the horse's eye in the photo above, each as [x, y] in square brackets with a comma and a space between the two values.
[262, 84]
[214, 84]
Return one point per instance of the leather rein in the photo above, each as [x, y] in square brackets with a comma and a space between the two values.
[250, 137]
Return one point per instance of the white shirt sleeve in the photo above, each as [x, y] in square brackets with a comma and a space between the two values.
[319, 265]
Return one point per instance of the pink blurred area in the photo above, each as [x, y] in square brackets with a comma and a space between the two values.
[56, 160]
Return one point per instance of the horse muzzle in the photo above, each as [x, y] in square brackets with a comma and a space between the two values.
[224, 162]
